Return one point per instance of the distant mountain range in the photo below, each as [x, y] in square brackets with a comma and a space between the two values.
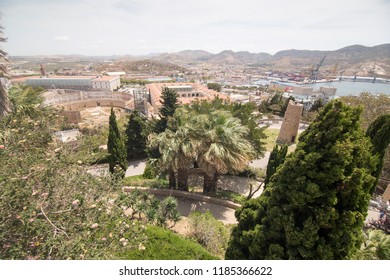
[351, 60]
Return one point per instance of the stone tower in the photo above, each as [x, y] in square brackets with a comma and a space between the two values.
[289, 131]
[43, 72]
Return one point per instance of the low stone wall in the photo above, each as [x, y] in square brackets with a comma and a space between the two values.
[76, 105]
[59, 97]
[187, 195]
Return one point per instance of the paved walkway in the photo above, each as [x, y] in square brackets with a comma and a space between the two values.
[136, 167]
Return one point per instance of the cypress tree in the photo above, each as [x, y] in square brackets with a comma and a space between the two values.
[315, 205]
[379, 133]
[276, 158]
[169, 105]
[136, 135]
[169, 102]
[116, 145]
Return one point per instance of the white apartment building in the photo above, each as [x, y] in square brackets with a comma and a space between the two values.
[106, 83]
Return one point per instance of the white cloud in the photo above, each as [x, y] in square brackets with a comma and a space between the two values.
[61, 38]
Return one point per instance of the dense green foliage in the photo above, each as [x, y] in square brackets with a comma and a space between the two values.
[169, 103]
[25, 99]
[376, 246]
[276, 158]
[275, 105]
[141, 181]
[116, 146]
[214, 86]
[165, 245]
[284, 104]
[317, 105]
[315, 204]
[373, 107]
[51, 207]
[244, 112]
[379, 133]
[133, 81]
[151, 209]
[136, 135]
[209, 232]
[216, 141]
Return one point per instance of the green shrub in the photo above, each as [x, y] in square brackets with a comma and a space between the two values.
[140, 181]
[150, 172]
[163, 244]
[229, 195]
[209, 232]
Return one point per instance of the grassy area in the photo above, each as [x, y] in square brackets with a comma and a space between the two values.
[140, 181]
[272, 134]
[163, 244]
[229, 195]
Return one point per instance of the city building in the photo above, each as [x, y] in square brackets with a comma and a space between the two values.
[302, 90]
[187, 93]
[105, 83]
[328, 91]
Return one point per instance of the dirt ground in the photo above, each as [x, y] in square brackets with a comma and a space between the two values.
[98, 116]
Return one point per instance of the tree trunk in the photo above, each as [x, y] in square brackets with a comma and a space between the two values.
[215, 181]
[210, 183]
[172, 179]
[182, 179]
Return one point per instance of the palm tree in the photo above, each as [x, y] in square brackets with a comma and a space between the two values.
[4, 102]
[168, 210]
[178, 146]
[376, 246]
[25, 100]
[225, 148]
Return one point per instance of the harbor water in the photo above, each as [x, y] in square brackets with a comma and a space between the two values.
[343, 87]
[354, 88]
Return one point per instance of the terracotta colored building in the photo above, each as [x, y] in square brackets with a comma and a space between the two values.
[187, 93]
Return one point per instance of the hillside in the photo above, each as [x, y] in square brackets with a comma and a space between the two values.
[142, 66]
[351, 60]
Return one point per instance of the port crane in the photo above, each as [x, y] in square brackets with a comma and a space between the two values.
[314, 71]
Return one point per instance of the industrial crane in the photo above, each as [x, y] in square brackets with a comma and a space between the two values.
[314, 72]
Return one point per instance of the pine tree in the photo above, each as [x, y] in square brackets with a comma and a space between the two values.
[315, 205]
[116, 145]
[136, 135]
[276, 158]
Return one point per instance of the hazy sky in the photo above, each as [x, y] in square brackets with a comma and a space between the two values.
[107, 27]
